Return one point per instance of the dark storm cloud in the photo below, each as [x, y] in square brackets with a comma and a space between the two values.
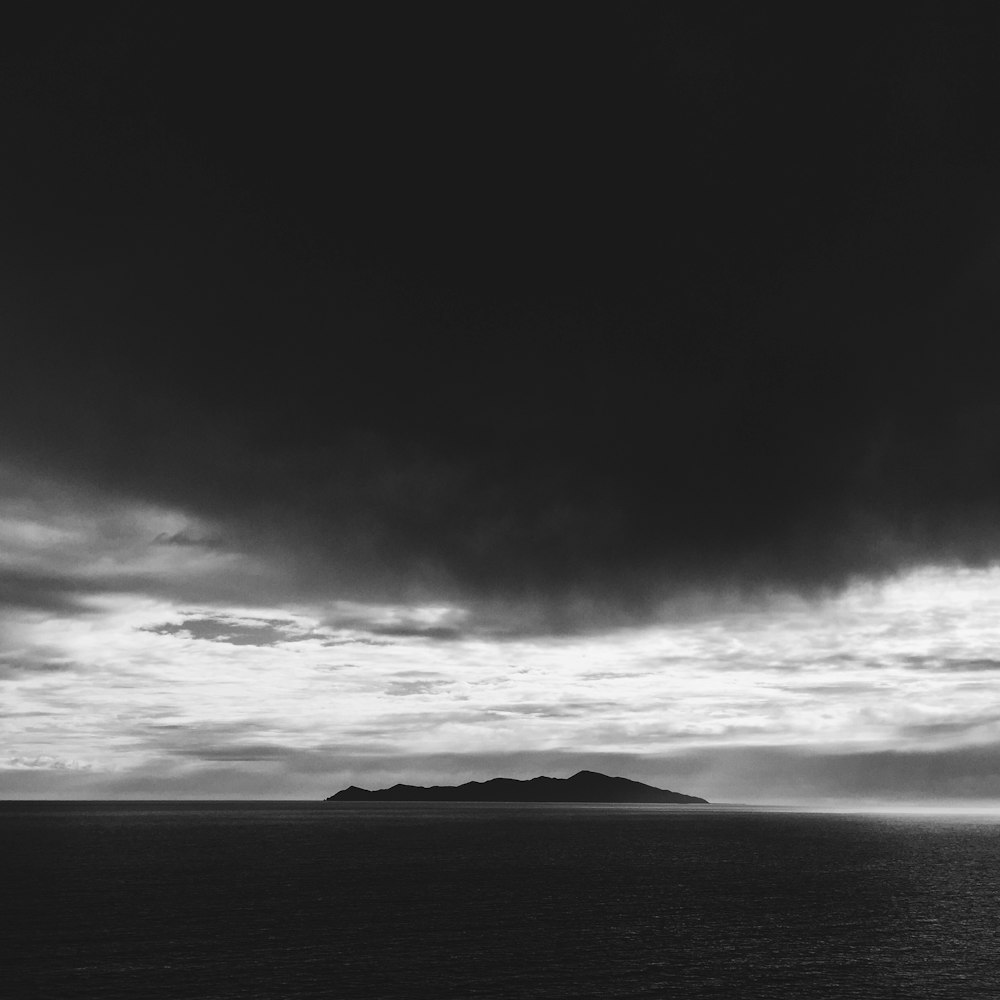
[558, 308]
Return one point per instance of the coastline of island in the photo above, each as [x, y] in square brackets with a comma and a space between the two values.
[584, 786]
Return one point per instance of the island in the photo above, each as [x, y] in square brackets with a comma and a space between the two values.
[584, 786]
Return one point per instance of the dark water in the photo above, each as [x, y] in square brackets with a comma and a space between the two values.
[289, 900]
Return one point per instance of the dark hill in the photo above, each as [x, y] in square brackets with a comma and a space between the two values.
[584, 786]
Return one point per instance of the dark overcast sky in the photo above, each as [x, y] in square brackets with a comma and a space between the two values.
[514, 300]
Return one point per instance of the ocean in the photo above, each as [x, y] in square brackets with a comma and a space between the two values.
[211, 901]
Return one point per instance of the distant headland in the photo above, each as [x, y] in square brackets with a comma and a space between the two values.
[584, 786]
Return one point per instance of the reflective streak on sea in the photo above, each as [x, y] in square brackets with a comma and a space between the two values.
[205, 901]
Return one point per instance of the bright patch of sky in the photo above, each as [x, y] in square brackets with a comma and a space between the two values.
[133, 641]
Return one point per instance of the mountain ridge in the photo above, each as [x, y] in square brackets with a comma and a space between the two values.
[584, 786]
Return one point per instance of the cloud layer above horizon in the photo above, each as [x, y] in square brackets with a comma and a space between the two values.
[137, 660]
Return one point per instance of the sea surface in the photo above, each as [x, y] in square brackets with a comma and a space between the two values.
[205, 901]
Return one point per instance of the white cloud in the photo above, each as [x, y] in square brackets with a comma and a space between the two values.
[175, 651]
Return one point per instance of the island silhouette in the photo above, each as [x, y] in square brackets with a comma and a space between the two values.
[584, 786]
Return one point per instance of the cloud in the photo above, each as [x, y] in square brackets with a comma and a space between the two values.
[359, 641]
[241, 752]
[43, 592]
[981, 727]
[235, 631]
[749, 405]
[247, 630]
[26, 665]
[415, 687]
[186, 537]
[43, 762]
[957, 664]
[416, 632]
[555, 710]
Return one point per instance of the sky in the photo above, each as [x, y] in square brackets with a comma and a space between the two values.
[437, 392]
